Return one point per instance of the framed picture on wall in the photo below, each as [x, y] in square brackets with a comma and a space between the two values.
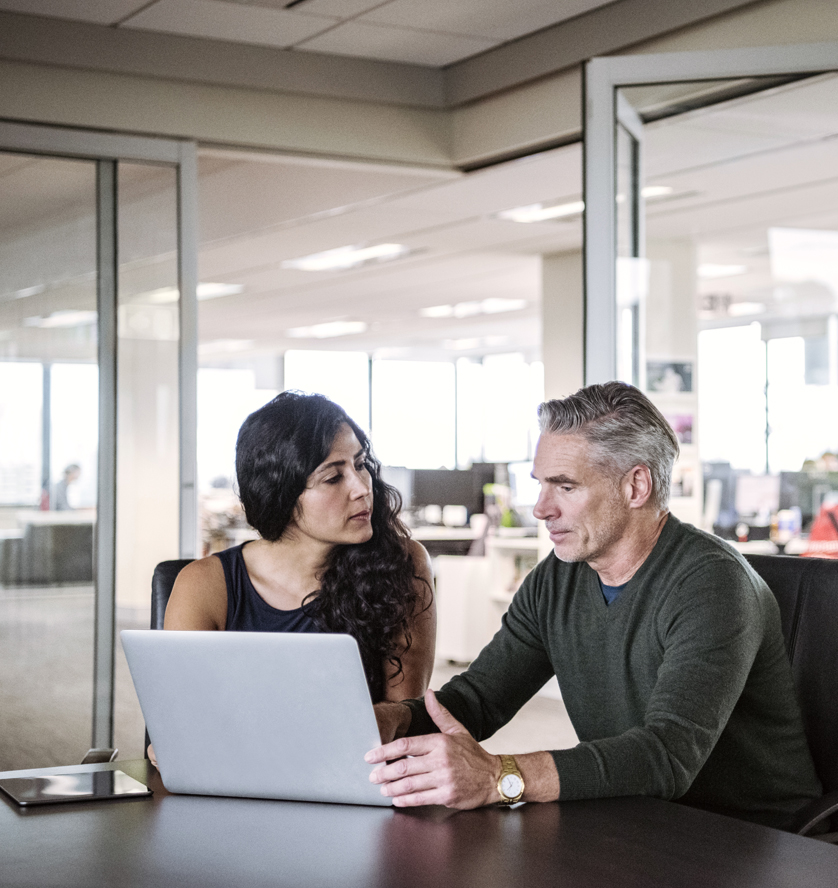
[669, 377]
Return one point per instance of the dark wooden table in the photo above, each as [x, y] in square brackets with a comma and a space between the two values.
[186, 841]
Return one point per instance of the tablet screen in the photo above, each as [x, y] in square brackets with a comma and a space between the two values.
[73, 787]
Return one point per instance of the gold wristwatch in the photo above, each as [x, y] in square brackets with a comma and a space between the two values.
[510, 782]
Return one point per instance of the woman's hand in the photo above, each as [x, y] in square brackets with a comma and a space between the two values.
[393, 720]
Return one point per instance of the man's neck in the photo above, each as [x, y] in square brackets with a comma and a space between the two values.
[619, 566]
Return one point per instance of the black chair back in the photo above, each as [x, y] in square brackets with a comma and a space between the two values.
[162, 582]
[807, 590]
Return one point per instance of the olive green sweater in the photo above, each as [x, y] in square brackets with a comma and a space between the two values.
[680, 689]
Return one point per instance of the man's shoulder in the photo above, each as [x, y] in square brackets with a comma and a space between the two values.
[687, 557]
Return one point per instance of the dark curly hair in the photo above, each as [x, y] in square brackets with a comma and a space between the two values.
[366, 589]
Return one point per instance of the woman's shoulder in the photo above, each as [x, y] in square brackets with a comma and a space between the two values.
[199, 596]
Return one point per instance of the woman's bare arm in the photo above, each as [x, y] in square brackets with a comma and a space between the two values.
[418, 660]
[199, 597]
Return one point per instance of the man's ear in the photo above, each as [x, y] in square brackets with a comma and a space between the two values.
[639, 486]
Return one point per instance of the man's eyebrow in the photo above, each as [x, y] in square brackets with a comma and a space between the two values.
[560, 479]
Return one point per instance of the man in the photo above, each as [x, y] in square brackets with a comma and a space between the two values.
[666, 644]
[60, 499]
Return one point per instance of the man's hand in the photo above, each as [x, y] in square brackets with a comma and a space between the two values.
[450, 768]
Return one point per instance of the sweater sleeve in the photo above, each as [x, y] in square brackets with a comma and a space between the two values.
[507, 672]
[710, 632]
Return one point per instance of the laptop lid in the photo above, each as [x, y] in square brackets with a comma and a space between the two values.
[256, 714]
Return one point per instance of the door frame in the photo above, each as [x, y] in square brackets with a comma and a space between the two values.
[602, 81]
[107, 150]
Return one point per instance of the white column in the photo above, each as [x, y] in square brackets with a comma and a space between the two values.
[562, 330]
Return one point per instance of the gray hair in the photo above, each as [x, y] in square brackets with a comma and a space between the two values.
[624, 429]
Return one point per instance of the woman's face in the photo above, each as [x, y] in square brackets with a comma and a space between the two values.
[336, 506]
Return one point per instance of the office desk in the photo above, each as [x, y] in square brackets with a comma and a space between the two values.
[199, 842]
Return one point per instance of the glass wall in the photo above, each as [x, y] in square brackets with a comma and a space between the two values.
[742, 326]
[48, 457]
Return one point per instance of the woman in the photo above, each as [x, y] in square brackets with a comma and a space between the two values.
[333, 554]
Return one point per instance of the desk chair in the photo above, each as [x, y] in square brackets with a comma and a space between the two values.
[162, 582]
[807, 591]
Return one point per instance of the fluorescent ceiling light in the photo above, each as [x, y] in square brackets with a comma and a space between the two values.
[743, 309]
[347, 257]
[469, 344]
[539, 213]
[650, 192]
[214, 346]
[30, 291]
[492, 305]
[709, 270]
[167, 295]
[328, 330]
[212, 290]
[64, 318]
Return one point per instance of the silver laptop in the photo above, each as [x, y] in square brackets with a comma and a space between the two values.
[257, 714]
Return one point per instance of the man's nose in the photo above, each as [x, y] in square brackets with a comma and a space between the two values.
[544, 507]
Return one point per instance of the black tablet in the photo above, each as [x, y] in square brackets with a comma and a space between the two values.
[90, 785]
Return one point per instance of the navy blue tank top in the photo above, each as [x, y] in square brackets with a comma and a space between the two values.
[247, 611]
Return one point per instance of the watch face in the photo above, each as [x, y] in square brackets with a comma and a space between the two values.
[511, 785]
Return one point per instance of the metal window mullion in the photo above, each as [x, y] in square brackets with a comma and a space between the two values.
[600, 327]
[105, 599]
[187, 186]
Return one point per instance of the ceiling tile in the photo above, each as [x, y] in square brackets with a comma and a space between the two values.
[342, 9]
[498, 19]
[228, 21]
[397, 44]
[100, 12]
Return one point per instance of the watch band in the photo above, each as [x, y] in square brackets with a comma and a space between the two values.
[509, 767]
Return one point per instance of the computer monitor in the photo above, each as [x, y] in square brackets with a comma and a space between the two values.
[806, 491]
[449, 487]
[402, 479]
[757, 496]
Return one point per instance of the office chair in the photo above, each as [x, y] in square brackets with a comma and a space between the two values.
[807, 592]
[162, 582]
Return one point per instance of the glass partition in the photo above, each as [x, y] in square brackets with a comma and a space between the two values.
[739, 345]
[48, 464]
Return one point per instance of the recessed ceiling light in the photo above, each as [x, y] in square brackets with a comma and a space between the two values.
[650, 192]
[327, 330]
[743, 309]
[475, 342]
[214, 346]
[30, 291]
[492, 305]
[347, 257]
[168, 295]
[64, 318]
[539, 213]
[710, 271]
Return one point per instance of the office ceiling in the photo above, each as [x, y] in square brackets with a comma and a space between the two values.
[434, 33]
[769, 156]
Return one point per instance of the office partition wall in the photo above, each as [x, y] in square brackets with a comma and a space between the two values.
[97, 353]
[715, 212]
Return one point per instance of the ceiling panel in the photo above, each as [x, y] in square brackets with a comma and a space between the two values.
[431, 48]
[492, 19]
[100, 12]
[228, 21]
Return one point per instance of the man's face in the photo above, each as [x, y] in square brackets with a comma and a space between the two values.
[585, 511]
